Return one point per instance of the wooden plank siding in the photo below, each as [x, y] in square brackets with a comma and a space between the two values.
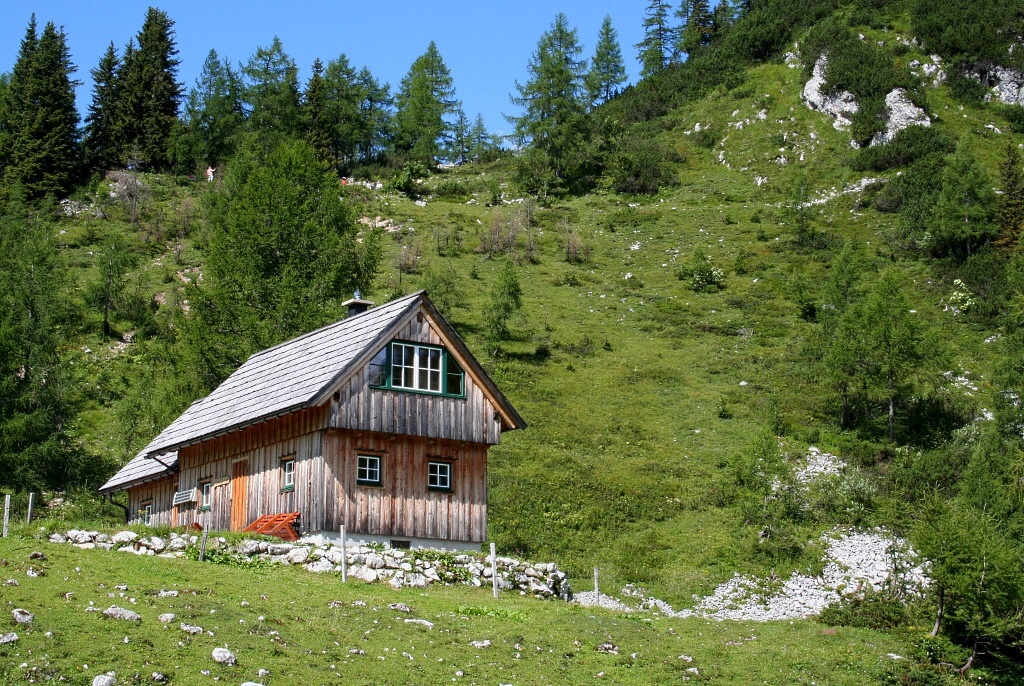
[403, 507]
[473, 418]
[262, 446]
[161, 493]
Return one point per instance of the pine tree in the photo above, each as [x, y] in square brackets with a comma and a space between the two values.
[316, 123]
[101, 144]
[459, 148]
[552, 99]
[272, 92]
[152, 91]
[377, 122]
[607, 71]
[1010, 204]
[506, 298]
[426, 106]
[42, 119]
[659, 38]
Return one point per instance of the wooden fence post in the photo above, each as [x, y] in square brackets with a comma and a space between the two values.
[7, 512]
[344, 556]
[596, 591]
[202, 545]
[494, 569]
[31, 501]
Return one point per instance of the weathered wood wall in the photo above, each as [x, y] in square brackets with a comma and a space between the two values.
[262, 446]
[403, 507]
[362, 408]
[161, 493]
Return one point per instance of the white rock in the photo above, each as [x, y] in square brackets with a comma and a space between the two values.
[58, 538]
[191, 628]
[486, 643]
[23, 616]
[224, 656]
[115, 612]
[421, 622]
[320, 566]
[840, 107]
[297, 556]
[901, 114]
[104, 680]
[8, 638]
[166, 618]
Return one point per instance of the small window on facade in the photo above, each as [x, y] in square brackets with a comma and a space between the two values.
[146, 512]
[205, 494]
[288, 474]
[454, 378]
[379, 368]
[368, 470]
[439, 476]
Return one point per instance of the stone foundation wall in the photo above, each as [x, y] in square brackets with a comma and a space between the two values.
[416, 568]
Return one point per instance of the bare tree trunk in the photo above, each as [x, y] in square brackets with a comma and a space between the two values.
[892, 410]
[938, 614]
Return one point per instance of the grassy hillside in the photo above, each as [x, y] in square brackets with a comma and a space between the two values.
[307, 628]
[668, 346]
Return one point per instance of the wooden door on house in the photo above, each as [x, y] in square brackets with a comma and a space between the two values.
[239, 489]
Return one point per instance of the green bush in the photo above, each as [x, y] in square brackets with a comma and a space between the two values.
[642, 165]
[702, 275]
[450, 189]
[907, 146]
[873, 610]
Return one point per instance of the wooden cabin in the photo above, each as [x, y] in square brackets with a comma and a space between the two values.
[379, 423]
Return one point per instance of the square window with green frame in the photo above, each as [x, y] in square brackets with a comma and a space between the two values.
[369, 470]
[439, 476]
[288, 473]
[417, 368]
[205, 494]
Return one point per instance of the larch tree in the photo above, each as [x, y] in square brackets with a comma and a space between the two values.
[426, 109]
[213, 114]
[963, 216]
[659, 39]
[479, 138]
[376, 118]
[272, 93]
[101, 146]
[41, 115]
[552, 122]
[607, 71]
[1009, 212]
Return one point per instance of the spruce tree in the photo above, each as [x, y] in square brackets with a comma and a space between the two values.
[152, 91]
[697, 31]
[426, 108]
[552, 99]
[659, 38]
[101, 144]
[1010, 204]
[479, 140]
[376, 120]
[272, 92]
[459, 148]
[316, 123]
[607, 71]
[963, 216]
[42, 119]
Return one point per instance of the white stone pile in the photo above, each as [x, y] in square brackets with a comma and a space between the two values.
[413, 568]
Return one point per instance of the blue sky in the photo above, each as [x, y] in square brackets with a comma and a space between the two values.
[486, 44]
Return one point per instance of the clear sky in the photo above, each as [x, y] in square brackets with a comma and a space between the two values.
[486, 44]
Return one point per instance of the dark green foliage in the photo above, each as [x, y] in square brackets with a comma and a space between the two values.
[873, 610]
[282, 257]
[36, 402]
[701, 275]
[272, 93]
[698, 27]
[965, 31]
[553, 121]
[963, 216]
[426, 106]
[213, 116]
[111, 293]
[358, 111]
[315, 123]
[907, 146]
[859, 67]
[641, 165]
[1009, 211]
[607, 72]
[101, 124]
[1013, 114]
[659, 39]
[446, 288]
[41, 121]
[506, 298]
[150, 93]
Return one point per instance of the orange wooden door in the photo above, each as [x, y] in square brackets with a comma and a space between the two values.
[239, 483]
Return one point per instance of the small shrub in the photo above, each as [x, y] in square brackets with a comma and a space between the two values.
[907, 146]
[642, 165]
[873, 610]
[702, 275]
[707, 138]
[450, 189]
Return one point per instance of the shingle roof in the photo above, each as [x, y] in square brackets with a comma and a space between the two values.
[285, 378]
[140, 469]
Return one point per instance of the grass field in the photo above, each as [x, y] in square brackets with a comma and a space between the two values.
[312, 629]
